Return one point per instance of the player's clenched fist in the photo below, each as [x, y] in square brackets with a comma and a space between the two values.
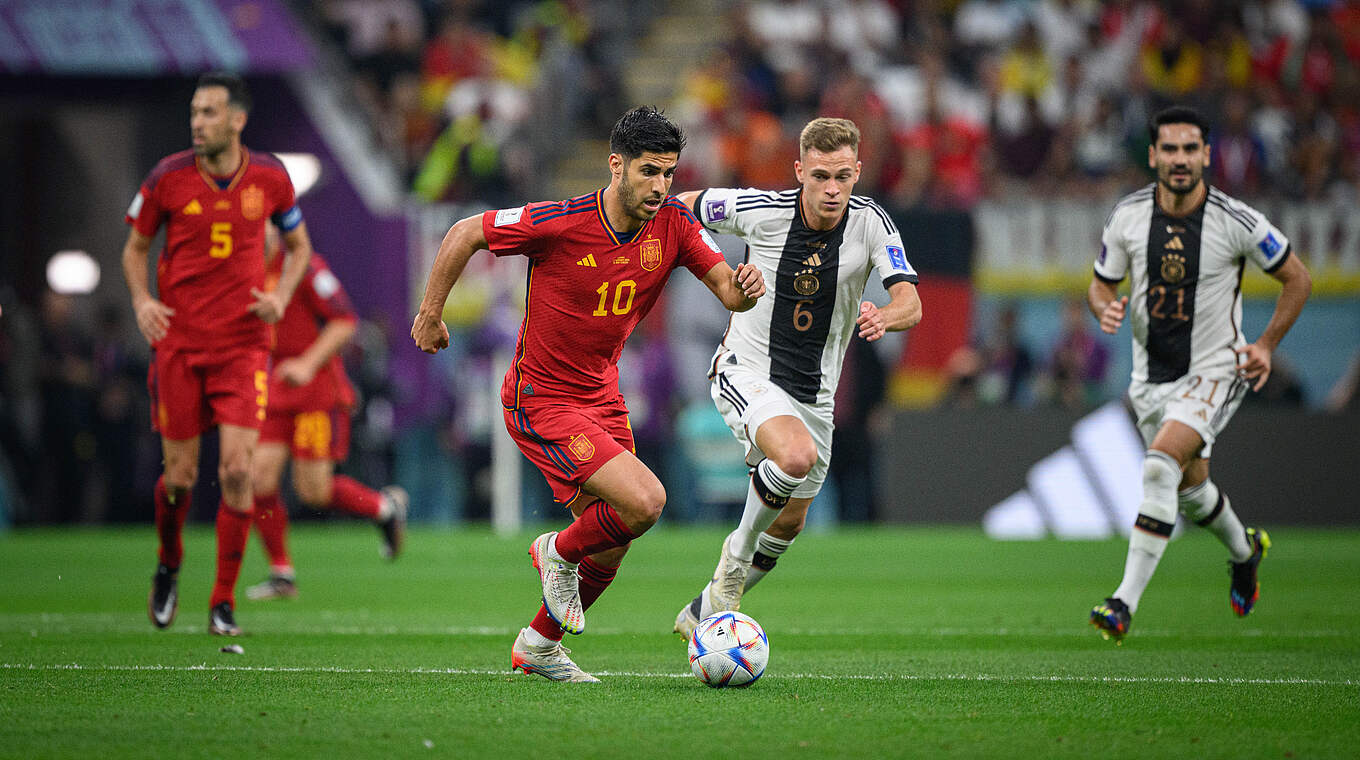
[429, 333]
[750, 280]
[1113, 315]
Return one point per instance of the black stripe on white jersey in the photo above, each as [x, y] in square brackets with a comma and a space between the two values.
[1142, 195]
[860, 201]
[804, 302]
[1173, 253]
[1232, 208]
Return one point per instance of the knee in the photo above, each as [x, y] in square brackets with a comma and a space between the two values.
[180, 476]
[797, 461]
[313, 494]
[645, 504]
[234, 473]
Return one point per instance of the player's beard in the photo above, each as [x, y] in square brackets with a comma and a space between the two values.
[211, 149]
[632, 205]
[1196, 177]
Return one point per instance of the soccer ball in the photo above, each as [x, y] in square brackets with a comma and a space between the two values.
[728, 649]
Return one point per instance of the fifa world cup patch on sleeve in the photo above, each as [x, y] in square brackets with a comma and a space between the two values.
[508, 216]
[898, 258]
[708, 239]
[716, 210]
[136, 207]
[1270, 246]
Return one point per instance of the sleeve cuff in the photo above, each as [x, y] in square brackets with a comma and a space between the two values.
[1288, 251]
[892, 280]
[1110, 280]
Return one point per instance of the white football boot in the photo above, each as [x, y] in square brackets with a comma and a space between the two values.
[551, 662]
[686, 621]
[729, 581]
[561, 586]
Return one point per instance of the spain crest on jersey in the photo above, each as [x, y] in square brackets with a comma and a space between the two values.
[252, 202]
[651, 254]
[581, 448]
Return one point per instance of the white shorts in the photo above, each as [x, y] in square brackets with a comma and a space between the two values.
[746, 399]
[1203, 401]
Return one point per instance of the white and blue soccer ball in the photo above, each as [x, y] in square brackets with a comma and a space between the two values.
[728, 649]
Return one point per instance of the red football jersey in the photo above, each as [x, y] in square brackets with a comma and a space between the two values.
[214, 244]
[319, 298]
[588, 288]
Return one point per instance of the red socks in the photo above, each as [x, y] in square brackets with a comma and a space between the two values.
[598, 528]
[594, 580]
[349, 495]
[271, 522]
[170, 524]
[233, 528]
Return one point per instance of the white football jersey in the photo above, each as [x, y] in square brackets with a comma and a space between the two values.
[1185, 304]
[798, 332]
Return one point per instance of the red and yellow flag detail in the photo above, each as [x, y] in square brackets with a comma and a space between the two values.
[581, 448]
[252, 202]
[651, 254]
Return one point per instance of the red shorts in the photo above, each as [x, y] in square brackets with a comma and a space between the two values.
[568, 444]
[319, 434]
[191, 391]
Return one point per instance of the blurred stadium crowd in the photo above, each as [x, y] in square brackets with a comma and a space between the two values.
[958, 100]
[958, 103]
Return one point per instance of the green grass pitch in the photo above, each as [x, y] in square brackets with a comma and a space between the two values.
[885, 642]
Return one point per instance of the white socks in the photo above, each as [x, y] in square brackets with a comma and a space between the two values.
[1152, 529]
[768, 493]
[768, 549]
[1210, 508]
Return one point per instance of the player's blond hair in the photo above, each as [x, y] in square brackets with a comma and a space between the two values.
[826, 135]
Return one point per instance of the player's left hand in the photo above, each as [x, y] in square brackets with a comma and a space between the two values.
[871, 324]
[1254, 362]
[268, 306]
[749, 279]
[294, 371]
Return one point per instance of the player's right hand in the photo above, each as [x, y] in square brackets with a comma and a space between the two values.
[430, 333]
[153, 319]
[1113, 315]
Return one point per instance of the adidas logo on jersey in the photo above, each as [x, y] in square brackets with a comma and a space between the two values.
[588, 261]
[1175, 244]
[815, 260]
[193, 207]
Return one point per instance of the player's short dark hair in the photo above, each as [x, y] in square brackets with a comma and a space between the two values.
[645, 129]
[238, 94]
[1177, 115]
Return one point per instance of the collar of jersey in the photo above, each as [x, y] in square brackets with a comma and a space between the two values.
[619, 238]
[845, 216]
[212, 181]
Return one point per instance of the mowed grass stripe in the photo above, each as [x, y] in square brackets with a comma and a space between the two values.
[983, 677]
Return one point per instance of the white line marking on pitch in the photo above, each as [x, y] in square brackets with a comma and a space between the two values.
[630, 674]
[273, 622]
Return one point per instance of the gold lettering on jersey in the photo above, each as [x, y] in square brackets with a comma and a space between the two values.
[193, 207]
[222, 206]
[252, 202]
[1175, 244]
[581, 448]
[621, 259]
[1173, 267]
[651, 254]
